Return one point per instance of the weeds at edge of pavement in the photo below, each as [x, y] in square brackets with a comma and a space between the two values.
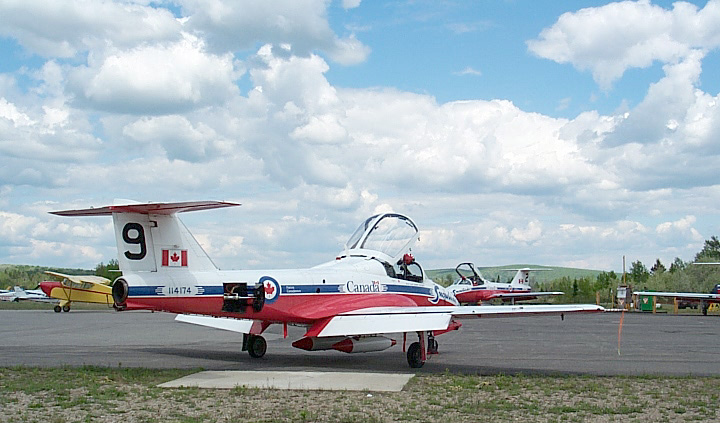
[88, 393]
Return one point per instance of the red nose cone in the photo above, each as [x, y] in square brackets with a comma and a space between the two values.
[47, 286]
[303, 344]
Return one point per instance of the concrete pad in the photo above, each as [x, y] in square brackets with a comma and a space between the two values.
[328, 381]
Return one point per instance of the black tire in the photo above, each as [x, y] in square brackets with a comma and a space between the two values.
[66, 308]
[432, 346]
[57, 309]
[414, 356]
[256, 346]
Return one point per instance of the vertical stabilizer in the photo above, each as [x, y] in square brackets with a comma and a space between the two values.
[522, 278]
[151, 238]
[154, 243]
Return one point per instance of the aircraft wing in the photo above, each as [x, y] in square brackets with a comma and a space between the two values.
[379, 320]
[7, 296]
[229, 324]
[81, 278]
[689, 296]
[528, 295]
[32, 295]
[233, 325]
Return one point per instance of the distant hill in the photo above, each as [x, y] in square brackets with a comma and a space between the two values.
[30, 276]
[444, 276]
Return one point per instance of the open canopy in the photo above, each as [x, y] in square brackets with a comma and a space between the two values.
[387, 236]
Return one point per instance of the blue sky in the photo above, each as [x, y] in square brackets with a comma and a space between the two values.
[469, 50]
[547, 132]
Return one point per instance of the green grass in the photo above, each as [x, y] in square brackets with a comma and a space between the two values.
[95, 394]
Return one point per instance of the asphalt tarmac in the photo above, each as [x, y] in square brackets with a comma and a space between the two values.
[579, 344]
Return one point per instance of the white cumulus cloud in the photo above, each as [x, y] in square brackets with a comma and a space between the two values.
[156, 79]
[609, 39]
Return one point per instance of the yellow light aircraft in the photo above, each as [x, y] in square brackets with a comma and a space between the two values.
[81, 288]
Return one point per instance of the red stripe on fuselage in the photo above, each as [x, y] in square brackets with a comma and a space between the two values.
[298, 308]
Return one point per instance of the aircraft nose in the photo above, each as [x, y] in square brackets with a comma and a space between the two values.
[47, 286]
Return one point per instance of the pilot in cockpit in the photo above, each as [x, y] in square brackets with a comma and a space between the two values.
[409, 269]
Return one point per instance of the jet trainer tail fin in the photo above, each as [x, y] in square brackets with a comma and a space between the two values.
[522, 277]
[151, 238]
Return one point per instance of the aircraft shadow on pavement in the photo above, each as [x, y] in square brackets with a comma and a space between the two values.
[386, 363]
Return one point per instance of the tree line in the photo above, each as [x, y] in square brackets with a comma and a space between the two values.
[681, 276]
[30, 277]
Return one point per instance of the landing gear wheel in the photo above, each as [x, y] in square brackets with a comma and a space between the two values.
[66, 308]
[432, 345]
[704, 310]
[256, 346]
[57, 309]
[414, 356]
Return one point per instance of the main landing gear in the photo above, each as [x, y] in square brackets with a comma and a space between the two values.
[64, 308]
[416, 353]
[255, 345]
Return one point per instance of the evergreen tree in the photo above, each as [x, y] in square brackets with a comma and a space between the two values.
[108, 271]
[710, 251]
[639, 274]
[657, 268]
[677, 265]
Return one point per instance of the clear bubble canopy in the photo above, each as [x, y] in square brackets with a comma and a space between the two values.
[389, 234]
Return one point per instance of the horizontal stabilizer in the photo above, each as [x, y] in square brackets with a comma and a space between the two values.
[148, 208]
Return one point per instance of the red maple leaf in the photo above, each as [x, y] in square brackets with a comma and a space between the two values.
[269, 288]
[174, 257]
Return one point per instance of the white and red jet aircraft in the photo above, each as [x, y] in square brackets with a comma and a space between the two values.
[371, 289]
[472, 288]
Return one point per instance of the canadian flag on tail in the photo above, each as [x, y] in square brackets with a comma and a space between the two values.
[175, 258]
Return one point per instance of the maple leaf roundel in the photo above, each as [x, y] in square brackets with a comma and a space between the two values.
[272, 289]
